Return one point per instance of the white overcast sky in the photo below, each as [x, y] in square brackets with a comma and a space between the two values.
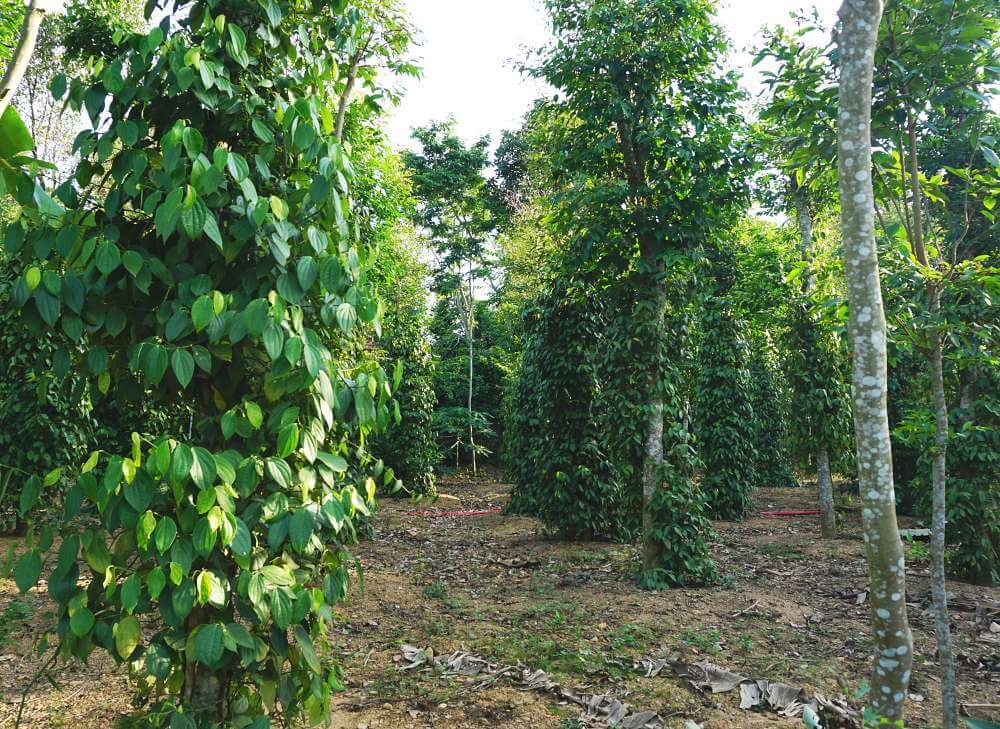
[468, 49]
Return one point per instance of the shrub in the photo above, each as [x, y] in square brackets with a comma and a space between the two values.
[218, 269]
[723, 413]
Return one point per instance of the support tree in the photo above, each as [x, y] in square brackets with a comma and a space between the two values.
[934, 67]
[217, 268]
[452, 210]
[648, 135]
[797, 124]
[867, 330]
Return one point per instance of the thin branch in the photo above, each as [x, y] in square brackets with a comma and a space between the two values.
[352, 76]
[22, 54]
[31, 684]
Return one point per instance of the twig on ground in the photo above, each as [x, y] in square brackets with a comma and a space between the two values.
[745, 610]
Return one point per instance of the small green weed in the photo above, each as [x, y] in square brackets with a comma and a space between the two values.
[916, 551]
[15, 612]
[630, 636]
[437, 590]
[706, 642]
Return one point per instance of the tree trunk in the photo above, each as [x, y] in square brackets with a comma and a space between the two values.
[824, 481]
[935, 357]
[803, 216]
[827, 514]
[939, 590]
[22, 54]
[469, 323]
[204, 690]
[650, 482]
[205, 693]
[352, 77]
[651, 467]
[867, 331]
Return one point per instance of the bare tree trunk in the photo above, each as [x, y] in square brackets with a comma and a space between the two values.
[345, 98]
[469, 323]
[22, 54]
[824, 480]
[939, 472]
[867, 331]
[939, 588]
[966, 386]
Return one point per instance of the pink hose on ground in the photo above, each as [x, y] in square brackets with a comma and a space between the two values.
[804, 512]
[434, 514]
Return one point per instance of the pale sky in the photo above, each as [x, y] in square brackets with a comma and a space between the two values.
[468, 49]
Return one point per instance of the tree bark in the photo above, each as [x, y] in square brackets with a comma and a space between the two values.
[867, 331]
[651, 467]
[33, 17]
[803, 216]
[650, 482]
[469, 323]
[939, 472]
[939, 591]
[824, 480]
[651, 252]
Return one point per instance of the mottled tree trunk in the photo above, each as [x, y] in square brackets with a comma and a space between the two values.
[651, 468]
[803, 216]
[824, 479]
[650, 482]
[867, 331]
[469, 323]
[935, 359]
[939, 589]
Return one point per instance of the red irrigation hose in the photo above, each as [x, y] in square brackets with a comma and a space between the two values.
[435, 514]
[804, 512]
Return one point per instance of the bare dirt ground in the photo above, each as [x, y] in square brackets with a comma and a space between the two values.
[790, 608]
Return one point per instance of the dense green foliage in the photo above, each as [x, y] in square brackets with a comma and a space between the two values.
[568, 482]
[383, 204]
[409, 447]
[219, 269]
[772, 467]
[936, 66]
[723, 411]
[202, 295]
[974, 479]
[620, 146]
[46, 422]
[11, 17]
[43, 423]
[453, 212]
[819, 414]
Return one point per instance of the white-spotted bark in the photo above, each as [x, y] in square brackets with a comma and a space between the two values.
[824, 479]
[650, 483]
[939, 471]
[867, 332]
[470, 322]
[939, 590]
